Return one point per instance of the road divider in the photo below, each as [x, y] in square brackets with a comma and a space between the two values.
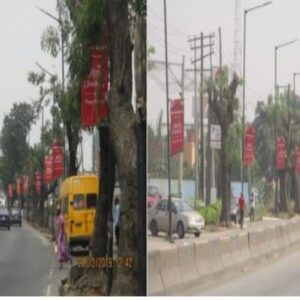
[173, 269]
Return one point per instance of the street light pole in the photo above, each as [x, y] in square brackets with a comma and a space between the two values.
[168, 134]
[246, 11]
[276, 173]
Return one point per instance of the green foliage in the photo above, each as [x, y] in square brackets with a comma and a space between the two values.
[16, 126]
[50, 41]
[211, 213]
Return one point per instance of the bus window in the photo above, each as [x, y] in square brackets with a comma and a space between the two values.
[91, 200]
[78, 202]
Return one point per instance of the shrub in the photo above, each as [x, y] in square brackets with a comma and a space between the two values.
[211, 213]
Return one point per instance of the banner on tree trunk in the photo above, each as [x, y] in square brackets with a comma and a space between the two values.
[94, 89]
[10, 191]
[58, 159]
[177, 126]
[25, 184]
[48, 169]
[19, 187]
[280, 153]
[297, 164]
[37, 182]
[249, 146]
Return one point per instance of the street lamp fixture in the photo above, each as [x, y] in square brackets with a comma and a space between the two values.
[277, 47]
[246, 11]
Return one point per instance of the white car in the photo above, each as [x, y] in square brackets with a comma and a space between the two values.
[184, 218]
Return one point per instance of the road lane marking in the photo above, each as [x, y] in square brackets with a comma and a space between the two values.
[48, 290]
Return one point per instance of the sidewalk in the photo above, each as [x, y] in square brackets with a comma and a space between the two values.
[160, 241]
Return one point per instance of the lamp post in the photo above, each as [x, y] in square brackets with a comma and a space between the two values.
[60, 22]
[276, 110]
[246, 11]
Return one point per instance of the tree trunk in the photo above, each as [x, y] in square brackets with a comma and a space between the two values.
[297, 193]
[106, 187]
[122, 124]
[225, 190]
[73, 144]
[283, 191]
[140, 85]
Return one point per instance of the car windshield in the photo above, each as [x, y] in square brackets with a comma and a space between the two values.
[3, 211]
[182, 206]
[153, 191]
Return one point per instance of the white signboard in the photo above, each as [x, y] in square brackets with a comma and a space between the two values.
[215, 137]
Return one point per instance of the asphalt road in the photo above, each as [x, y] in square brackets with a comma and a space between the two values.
[28, 266]
[277, 278]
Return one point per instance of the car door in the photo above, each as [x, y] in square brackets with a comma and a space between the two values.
[160, 215]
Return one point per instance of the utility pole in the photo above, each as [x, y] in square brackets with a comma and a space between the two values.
[202, 38]
[181, 153]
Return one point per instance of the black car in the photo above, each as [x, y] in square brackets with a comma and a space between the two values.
[4, 218]
[16, 216]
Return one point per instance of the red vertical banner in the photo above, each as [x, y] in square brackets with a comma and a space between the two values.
[280, 153]
[25, 184]
[95, 88]
[249, 146]
[177, 126]
[37, 182]
[58, 159]
[297, 164]
[48, 169]
[19, 187]
[10, 191]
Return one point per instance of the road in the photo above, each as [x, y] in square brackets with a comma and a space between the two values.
[277, 278]
[28, 266]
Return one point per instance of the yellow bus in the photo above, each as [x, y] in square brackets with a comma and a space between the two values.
[78, 198]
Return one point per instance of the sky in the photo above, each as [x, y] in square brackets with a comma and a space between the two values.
[21, 28]
[266, 27]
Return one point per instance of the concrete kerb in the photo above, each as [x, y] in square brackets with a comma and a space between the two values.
[155, 284]
[202, 261]
[243, 245]
[188, 268]
[170, 271]
[254, 245]
[216, 261]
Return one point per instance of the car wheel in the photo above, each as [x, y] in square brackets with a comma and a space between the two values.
[153, 228]
[180, 230]
[8, 227]
[20, 224]
[197, 234]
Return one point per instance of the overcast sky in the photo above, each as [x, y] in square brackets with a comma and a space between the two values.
[266, 27]
[21, 27]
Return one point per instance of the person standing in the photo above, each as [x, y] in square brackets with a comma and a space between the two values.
[61, 240]
[242, 205]
[252, 207]
[116, 217]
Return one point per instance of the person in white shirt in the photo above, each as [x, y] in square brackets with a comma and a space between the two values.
[252, 207]
[116, 217]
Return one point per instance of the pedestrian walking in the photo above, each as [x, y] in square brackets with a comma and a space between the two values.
[116, 217]
[252, 207]
[242, 205]
[61, 246]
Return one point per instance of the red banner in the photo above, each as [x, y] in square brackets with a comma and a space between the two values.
[48, 169]
[249, 146]
[280, 153]
[19, 187]
[177, 126]
[37, 182]
[93, 103]
[25, 184]
[10, 191]
[58, 159]
[297, 164]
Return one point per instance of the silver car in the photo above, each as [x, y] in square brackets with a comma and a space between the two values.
[184, 218]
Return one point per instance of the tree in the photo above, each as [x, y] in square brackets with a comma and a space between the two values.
[223, 103]
[16, 126]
